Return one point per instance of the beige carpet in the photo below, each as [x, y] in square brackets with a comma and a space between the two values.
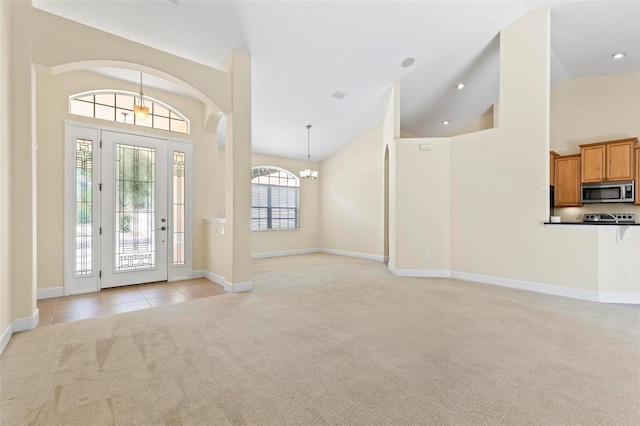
[332, 340]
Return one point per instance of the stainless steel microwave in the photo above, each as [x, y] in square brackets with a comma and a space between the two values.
[608, 192]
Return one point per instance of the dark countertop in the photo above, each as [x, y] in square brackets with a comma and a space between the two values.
[592, 223]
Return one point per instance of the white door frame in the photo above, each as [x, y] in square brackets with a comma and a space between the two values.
[74, 284]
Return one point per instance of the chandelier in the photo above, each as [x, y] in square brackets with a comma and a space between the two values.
[139, 109]
[307, 172]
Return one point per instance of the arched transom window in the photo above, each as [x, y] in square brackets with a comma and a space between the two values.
[117, 105]
[275, 199]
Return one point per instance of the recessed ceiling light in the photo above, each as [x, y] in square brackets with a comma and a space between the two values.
[618, 55]
[460, 86]
[407, 62]
[445, 122]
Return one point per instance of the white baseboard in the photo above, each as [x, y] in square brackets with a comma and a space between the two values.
[6, 336]
[619, 297]
[218, 279]
[238, 287]
[573, 293]
[198, 273]
[28, 323]
[51, 292]
[353, 254]
[17, 325]
[284, 253]
[442, 273]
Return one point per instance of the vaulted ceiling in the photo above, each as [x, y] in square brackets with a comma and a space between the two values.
[305, 51]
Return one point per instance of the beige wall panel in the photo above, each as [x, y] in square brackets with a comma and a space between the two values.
[22, 184]
[238, 169]
[594, 109]
[60, 45]
[352, 194]
[52, 107]
[617, 258]
[5, 278]
[483, 122]
[205, 189]
[499, 195]
[389, 176]
[216, 256]
[423, 203]
[308, 236]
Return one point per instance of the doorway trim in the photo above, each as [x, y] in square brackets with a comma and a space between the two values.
[90, 282]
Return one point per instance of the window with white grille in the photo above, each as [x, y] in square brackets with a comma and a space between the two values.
[117, 105]
[275, 199]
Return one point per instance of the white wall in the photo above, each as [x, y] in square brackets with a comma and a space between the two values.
[5, 277]
[484, 122]
[499, 179]
[422, 204]
[594, 109]
[22, 226]
[352, 194]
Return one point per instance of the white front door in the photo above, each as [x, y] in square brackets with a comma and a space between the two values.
[134, 213]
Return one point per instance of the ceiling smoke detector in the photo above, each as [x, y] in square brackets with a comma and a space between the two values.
[339, 95]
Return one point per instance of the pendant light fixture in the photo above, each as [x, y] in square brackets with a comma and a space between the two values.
[307, 172]
[141, 111]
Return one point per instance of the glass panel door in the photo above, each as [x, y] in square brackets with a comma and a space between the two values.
[134, 209]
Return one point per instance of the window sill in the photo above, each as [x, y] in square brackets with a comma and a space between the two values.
[214, 220]
[275, 230]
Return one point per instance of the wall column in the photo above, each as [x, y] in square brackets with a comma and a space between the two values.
[238, 176]
[22, 170]
[391, 132]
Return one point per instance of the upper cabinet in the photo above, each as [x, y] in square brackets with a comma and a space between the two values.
[567, 181]
[552, 167]
[608, 161]
[637, 174]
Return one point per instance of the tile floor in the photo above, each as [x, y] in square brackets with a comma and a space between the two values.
[123, 299]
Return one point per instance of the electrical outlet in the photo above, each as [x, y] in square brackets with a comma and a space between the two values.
[222, 230]
[627, 273]
[427, 256]
[579, 216]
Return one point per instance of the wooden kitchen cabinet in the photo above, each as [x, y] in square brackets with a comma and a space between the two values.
[567, 181]
[637, 175]
[552, 167]
[608, 161]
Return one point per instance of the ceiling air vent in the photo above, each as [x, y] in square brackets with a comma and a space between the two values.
[339, 95]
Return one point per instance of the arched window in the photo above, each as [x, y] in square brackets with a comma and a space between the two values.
[117, 105]
[275, 199]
